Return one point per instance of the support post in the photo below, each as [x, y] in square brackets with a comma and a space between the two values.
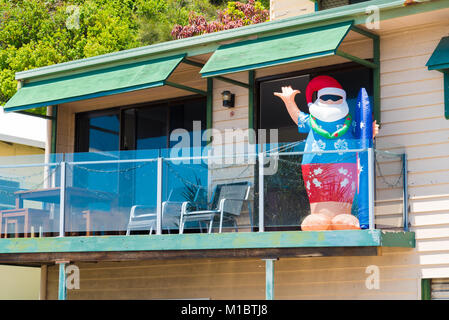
[159, 196]
[376, 80]
[209, 110]
[261, 193]
[446, 94]
[54, 128]
[251, 78]
[269, 279]
[405, 188]
[62, 288]
[62, 199]
[371, 190]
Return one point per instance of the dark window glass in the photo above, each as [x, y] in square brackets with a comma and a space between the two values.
[190, 116]
[151, 128]
[273, 114]
[98, 133]
[141, 128]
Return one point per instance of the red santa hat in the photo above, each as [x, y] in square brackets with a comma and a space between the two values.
[324, 85]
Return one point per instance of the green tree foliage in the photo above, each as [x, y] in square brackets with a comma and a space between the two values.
[236, 14]
[38, 33]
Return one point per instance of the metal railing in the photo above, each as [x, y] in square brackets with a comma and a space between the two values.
[93, 194]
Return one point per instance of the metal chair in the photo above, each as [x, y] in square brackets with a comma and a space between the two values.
[227, 203]
[147, 218]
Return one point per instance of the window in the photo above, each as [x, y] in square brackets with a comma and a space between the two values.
[271, 112]
[138, 127]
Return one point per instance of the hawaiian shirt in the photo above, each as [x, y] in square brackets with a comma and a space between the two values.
[316, 142]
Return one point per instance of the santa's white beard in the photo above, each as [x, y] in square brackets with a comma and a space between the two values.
[329, 112]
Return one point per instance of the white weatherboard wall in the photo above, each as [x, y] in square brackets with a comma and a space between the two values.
[412, 107]
[413, 116]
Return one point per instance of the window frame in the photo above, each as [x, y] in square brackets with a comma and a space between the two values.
[167, 103]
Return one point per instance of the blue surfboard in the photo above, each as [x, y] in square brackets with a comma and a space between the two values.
[364, 132]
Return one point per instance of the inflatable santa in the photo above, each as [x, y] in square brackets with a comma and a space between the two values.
[330, 174]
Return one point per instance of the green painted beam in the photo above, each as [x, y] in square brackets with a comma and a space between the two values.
[231, 240]
[224, 79]
[186, 88]
[358, 60]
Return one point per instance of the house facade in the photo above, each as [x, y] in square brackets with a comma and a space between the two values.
[114, 131]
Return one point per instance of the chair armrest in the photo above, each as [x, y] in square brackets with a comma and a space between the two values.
[169, 206]
[133, 210]
[222, 203]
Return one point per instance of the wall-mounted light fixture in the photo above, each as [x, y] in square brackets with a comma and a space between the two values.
[228, 99]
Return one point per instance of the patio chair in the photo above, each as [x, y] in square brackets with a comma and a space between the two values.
[144, 217]
[227, 203]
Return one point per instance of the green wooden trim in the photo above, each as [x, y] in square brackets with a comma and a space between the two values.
[269, 279]
[358, 60]
[193, 63]
[231, 240]
[251, 115]
[446, 94]
[439, 67]
[398, 239]
[228, 80]
[365, 33]
[186, 88]
[54, 129]
[426, 289]
[232, 81]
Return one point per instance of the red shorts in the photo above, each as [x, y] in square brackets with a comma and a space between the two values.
[330, 181]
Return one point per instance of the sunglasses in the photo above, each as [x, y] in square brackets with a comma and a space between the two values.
[332, 97]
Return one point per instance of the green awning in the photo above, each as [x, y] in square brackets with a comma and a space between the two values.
[440, 57]
[93, 84]
[277, 49]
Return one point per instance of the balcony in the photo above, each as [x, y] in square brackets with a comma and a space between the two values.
[188, 201]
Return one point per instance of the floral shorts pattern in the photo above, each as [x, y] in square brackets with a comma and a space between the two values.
[335, 182]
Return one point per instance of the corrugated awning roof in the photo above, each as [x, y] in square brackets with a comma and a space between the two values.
[275, 50]
[98, 83]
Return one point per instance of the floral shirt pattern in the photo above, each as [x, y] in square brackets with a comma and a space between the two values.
[316, 143]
